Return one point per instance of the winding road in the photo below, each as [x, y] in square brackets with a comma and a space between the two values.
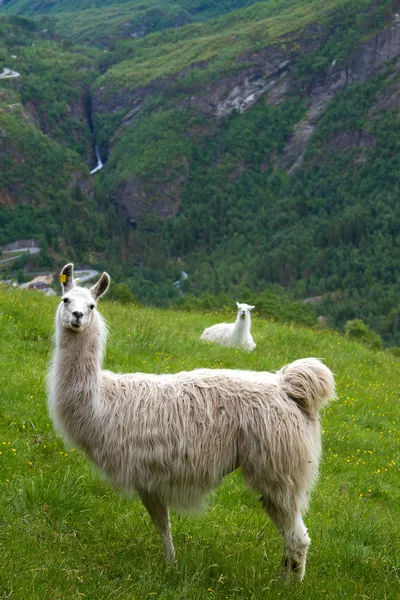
[21, 252]
[85, 275]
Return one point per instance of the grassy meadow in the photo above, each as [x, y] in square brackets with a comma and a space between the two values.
[64, 534]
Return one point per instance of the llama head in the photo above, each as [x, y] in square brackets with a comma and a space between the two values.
[78, 303]
[244, 310]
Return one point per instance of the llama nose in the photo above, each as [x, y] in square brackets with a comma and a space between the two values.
[77, 314]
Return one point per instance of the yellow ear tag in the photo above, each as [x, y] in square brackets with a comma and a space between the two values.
[63, 278]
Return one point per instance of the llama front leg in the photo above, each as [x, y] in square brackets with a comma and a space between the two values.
[295, 537]
[160, 516]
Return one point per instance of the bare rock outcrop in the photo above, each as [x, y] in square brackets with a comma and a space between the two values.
[365, 63]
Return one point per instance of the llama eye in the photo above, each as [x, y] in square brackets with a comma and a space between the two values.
[65, 300]
[91, 306]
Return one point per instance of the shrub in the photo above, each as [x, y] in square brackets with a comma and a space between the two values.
[395, 350]
[358, 330]
[120, 292]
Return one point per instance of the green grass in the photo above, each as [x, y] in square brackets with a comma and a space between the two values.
[65, 534]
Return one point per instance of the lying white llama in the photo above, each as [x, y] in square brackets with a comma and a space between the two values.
[233, 334]
[172, 438]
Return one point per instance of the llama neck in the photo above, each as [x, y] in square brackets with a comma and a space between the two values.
[241, 327]
[75, 393]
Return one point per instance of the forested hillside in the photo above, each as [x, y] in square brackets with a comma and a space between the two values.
[46, 146]
[103, 22]
[251, 145]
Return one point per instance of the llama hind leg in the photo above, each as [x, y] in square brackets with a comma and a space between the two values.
[159, 514]
[294, 533]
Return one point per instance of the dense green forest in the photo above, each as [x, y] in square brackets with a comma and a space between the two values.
[253, 146]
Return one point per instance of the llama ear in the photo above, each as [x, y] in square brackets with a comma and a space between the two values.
[101, 286]
[67, 278]
[237, 304]
[251, 307]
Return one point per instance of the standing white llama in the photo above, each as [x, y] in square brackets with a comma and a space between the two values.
[172, 438]
[233, 334]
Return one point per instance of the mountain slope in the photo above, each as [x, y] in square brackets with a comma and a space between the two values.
[311, 104]
[119, 19]
[255, 149]
[46, 146]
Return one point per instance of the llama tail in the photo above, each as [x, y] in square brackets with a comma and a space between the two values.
[309, 383]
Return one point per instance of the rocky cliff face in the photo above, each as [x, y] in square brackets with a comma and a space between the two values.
[262, 73]
[255, 74]
[133, 199]
[362, 65]
[268, 73]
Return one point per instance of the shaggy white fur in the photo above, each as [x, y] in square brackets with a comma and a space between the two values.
[172, 438]
[233, 334]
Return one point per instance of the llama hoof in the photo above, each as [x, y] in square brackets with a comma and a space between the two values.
[292, 570]
[170, 558]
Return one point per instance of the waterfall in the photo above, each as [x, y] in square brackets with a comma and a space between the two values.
[88, 108]
[99, 161]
